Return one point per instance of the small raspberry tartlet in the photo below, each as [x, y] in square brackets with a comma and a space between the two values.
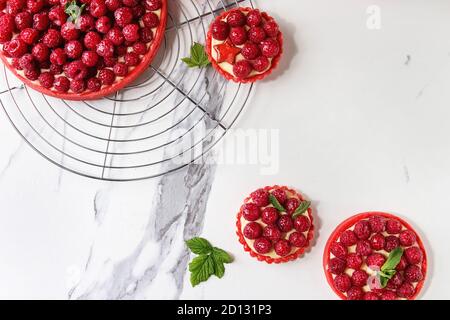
[275, 224]
[375, 256]
[244, 45]
[80, 49]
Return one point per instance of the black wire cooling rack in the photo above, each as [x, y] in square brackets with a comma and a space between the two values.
[169, 118]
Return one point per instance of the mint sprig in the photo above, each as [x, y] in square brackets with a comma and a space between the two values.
[276, 204]
[388, 269]
[301, 209]
[74, 11]
[210, 260]
[198, 58]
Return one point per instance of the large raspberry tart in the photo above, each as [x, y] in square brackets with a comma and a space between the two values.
[275, 224]
[375, 256]
[80, 49]
[244, 44]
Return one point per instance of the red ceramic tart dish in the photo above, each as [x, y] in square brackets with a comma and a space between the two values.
[244, 45]
[271, 235]
[359, 247]
[109, 46]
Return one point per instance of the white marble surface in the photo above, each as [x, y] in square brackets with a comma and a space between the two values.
[363, 125]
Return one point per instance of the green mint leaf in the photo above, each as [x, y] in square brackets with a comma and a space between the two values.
[383, 281]
[393, 260]
[219, 267]
[301, 209]
[276, 204]
[199, 246]
[201, 268]
[198, 57]
[221, 255]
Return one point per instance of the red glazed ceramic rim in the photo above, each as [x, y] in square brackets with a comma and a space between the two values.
[133, 75]
[269, 260]
[229, 76]
[350, 222]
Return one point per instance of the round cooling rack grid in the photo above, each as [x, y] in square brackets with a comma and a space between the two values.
[167, 119]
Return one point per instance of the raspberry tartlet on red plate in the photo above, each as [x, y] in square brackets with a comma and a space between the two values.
[375, 256]
[244, 44]
[275, 224]
[80, 49]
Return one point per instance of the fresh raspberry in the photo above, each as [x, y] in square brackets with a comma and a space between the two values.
[270, 215]
[89, 58]
[242, 69]
[271, 29]
[388, 295]
[363, 248]
[272, 233]
[138, 11]
[291, 205]
[7, 23]
[58, 57]
[110, 61]
[250, 51]
[123, 16]
[337, 266]
[355, 293]
[256, 34]
[139, 48]
[238, 36]
[131, 32]
[113, 5]
[396, 281]
[260, 197]
[131, 59]
[297, 239]
[61, 84]
[406, 290]
[105, 48]
[115, 35]
[56, 2]
[32, 74]
[15, 6]
[5, 36]
[27, 62]
[69, 31]
[402, 264]
[407, 238]
[342, 282]
[15, 48]
[41, 21]
[413, 273]
[120, 69]
[76, 70]
[392, 242]
[371, 296]
[130, 3]
[150, 20]
[56, 69]
[282, 248]
[52, 38]
[146, 35]
[377, 241]
[73, 49]
[375, 261]
[302, 223]
[220, 30]
[354, 261]
[103, 24]
[339, 250]
[15, 62]
[362, 230]
[285, 223]
[414, 255]
[78, 85]
[254, 18]
[377, 224]
[57, 15]
[98, 8]
[280, 194]
[262, 245]
[91, 40]
[252, 231]
[94, 84]
[261, 64]
[359, 278]
[250, 212]
[270, 48]
[40, 52]
[46, 79]
[35, 6]
[236, 18]
[153, 5]
[393, 226]
[106, 76]
[86, 22]
[23, 20]
[29, 35]
[348, 238]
